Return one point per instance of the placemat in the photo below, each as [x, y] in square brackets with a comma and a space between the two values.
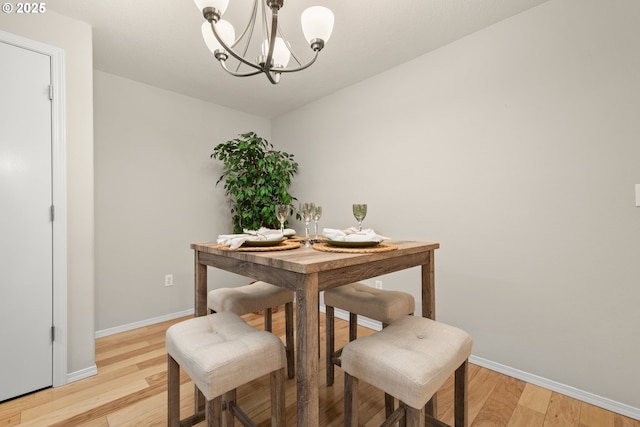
[286, 245]
[382, 247]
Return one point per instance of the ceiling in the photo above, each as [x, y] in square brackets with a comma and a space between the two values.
[159, 43]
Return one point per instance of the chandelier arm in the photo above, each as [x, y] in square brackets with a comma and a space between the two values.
[302, 67]
[250, 24]
[231, 51]
[248, 28]
[293, 55]
[236, 74]
[271, 78]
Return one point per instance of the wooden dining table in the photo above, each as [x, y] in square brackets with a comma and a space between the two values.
[308, 271]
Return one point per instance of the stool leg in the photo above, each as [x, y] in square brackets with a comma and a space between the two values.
[389, 405]
[350, 401]
[461, 412]
[353, 326]
[214, 412]
[278, 412]
[414, 417]
[267, 319]
[329, 344]
[227, 399]
[431, 407]
[288, 310]
[173, 392]
[319, 329]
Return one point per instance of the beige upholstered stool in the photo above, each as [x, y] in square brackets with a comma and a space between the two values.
[409, 360]
[359, 299]
[221, 352]
[254, 297]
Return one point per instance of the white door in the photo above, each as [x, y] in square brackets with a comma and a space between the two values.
[26, 277]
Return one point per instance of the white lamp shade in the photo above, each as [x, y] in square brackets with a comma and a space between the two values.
[225, 31]
[317, 23]
[221, 5]
[281, 54]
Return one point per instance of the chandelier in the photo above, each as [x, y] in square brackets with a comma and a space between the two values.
[274, 52]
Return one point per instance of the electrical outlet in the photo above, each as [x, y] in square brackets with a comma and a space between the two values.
[168, 279]
[378, 284]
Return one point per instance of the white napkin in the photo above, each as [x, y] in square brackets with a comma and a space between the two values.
[289, 232]
[234, 241]
[353, 235]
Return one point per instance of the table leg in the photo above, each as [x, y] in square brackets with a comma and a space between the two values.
[428, 288]
[200, 309]
[200, 291]
[308, 403]
[429, 310]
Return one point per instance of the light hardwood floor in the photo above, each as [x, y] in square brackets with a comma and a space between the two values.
[130, 390]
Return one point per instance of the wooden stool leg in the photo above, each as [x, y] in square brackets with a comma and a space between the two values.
[278, 404]
[319, 329]
[431, 407]
[350, 401]
[389, 405]
[461, 412]
[199, 402]
[330, 344]
[214, 412]
[173, 392]
[228, 398]
[288, 310]
[414, 417]
[268, 315]
[353, 326]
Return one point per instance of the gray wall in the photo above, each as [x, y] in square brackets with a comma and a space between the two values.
[517, 148]
[156, 194]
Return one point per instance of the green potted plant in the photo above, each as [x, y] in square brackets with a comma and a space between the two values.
[256, 178]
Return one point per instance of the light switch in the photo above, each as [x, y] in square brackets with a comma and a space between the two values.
[637, 194]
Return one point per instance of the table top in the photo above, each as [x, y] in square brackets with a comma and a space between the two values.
[308, 260]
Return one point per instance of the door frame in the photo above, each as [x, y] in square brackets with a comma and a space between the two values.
[59, 197]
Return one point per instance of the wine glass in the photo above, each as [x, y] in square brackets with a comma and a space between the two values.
[282, 212]
[307, 210]
[360, 211]
[317, 214]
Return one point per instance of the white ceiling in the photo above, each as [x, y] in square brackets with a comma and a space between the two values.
[159, 43]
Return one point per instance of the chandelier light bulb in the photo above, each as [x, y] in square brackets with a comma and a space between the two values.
[281, 54]
[225, 31]
[317, 23]
[220, 5]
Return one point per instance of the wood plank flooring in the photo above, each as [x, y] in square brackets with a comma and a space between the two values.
[130, 390]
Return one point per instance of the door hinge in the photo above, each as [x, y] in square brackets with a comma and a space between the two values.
[51, 92]
[53, 333]
[53, 212]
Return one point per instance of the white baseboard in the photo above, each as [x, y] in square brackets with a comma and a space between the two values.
[142, 323]
[82, 374]
[93, 370]
[584, 396]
